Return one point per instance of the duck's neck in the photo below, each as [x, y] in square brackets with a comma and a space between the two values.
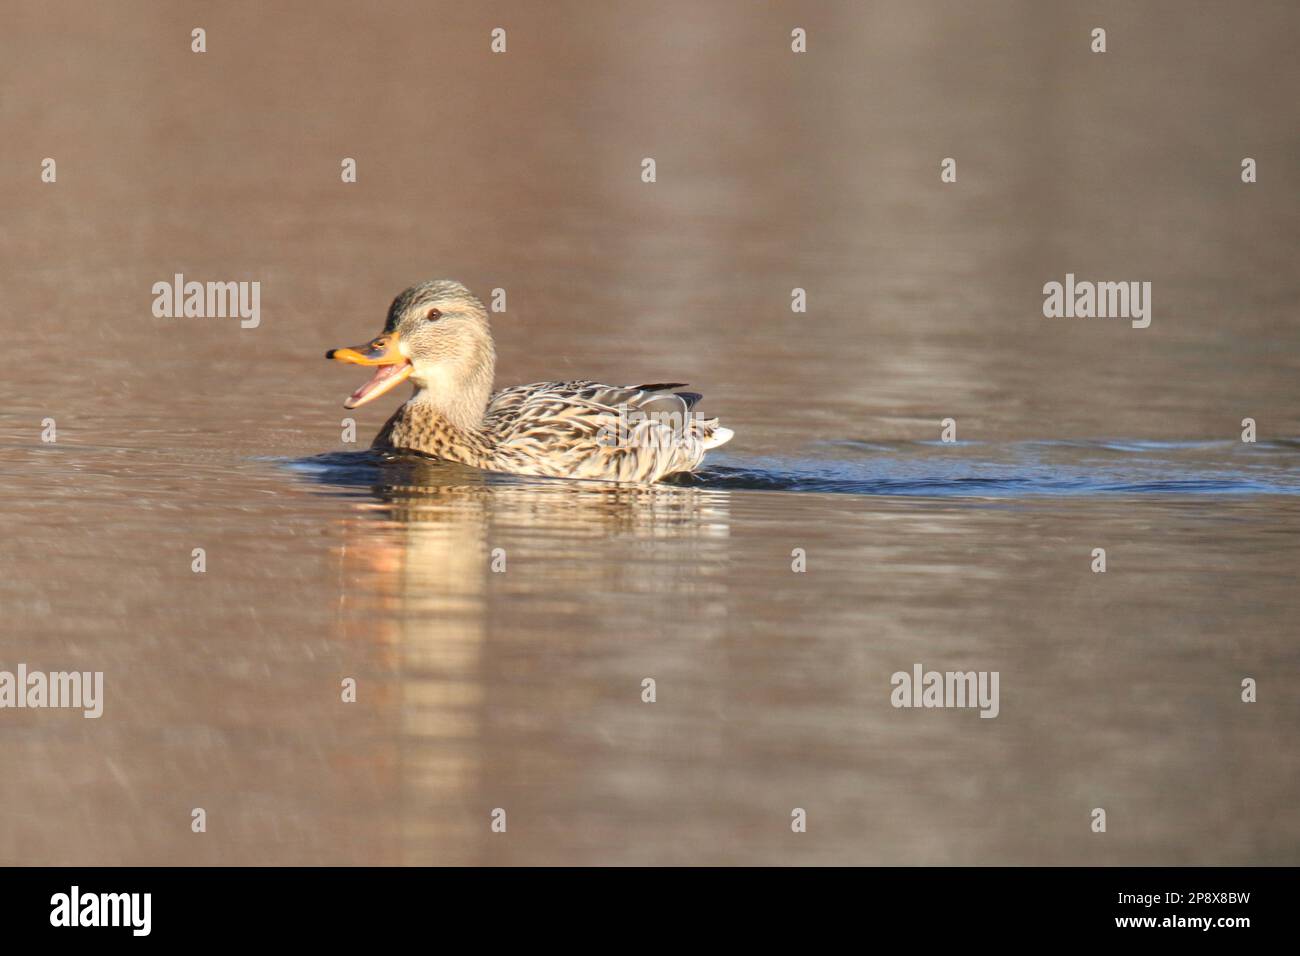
[460, 402]
[444, 423]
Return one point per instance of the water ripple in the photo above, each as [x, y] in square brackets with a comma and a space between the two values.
[989, 470]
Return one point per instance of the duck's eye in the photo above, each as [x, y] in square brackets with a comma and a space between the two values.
[433, 316]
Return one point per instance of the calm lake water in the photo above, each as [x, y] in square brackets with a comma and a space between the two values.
[522, 690]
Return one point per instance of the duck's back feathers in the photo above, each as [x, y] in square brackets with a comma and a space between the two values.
[584, 429]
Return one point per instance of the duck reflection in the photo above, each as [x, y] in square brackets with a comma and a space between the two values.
[464, 586]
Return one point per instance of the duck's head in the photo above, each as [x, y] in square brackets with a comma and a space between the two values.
[437, 335]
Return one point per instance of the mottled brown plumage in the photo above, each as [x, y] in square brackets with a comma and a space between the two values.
[437, 335]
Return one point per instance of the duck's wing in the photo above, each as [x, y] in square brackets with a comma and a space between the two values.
[507, 400]
[584, 429]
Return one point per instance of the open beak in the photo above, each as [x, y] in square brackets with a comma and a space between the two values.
[393, 367]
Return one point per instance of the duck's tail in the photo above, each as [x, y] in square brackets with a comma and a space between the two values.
[716, 435]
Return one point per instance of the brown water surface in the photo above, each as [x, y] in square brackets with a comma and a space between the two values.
[522, 690]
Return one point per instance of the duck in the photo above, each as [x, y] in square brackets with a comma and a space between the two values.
[437, 336]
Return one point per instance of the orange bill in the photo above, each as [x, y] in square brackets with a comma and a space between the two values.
[393, 367]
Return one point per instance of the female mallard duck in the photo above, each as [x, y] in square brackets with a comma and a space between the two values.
[437, 335]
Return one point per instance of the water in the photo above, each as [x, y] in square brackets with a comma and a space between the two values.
[935, 469]
[522, 689]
